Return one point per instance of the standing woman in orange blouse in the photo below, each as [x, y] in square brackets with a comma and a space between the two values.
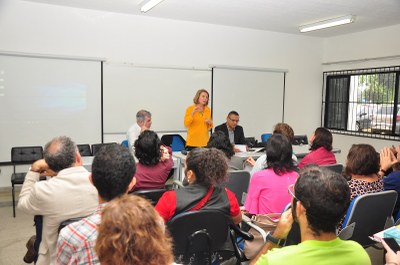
[198, 121]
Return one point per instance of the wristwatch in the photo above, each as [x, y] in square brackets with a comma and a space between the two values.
[277, 241]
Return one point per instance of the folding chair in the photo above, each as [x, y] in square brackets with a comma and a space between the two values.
[22, 156]
[368, 214]
[84, 149]
[238, 183]
[153, 195]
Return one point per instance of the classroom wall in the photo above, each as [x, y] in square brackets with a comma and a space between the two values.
[47, 29]
[368, 44]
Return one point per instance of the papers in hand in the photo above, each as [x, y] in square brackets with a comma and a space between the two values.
[241, 147]
[393, 232]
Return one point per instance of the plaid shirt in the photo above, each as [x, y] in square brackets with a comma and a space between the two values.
[76, 241]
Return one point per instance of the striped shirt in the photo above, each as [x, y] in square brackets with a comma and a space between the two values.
[76, 241]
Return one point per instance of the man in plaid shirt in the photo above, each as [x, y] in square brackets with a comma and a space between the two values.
[113, 171]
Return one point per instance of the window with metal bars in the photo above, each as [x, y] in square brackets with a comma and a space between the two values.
[362, 102]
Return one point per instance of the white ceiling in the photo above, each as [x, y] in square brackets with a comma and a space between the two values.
[272, 15]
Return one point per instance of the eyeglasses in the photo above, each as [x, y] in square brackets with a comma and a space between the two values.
[291, 191]
[233, 120]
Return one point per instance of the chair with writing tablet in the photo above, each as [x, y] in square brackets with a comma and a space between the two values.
[238, 183]
[97, 147]
[84, 149]
[338, 168]
[175, 141]
[300, 140]
[265, 137]
[125, 143]
[367, 215]
[24, 155]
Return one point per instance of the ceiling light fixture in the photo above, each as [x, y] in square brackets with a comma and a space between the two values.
[328, 23]
[149, 5]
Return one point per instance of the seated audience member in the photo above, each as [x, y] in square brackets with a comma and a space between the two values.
[143, 123]
[112, 174]
[321, 149]
[131, 232]
[219, 140]
[268, 188]
[231, 129]
[205, 169]
[66, 195]
[155, 162]
[261, 163]
[320, 199]
[390, 158]
[362, 165]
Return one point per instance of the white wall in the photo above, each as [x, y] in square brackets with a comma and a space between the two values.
[40, 28]
[368, 44]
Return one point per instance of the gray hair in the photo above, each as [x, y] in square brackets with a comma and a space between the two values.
[60, 153]
[141, 115]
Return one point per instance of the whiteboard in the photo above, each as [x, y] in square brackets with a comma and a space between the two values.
[258, 97]
[165, 92]
[41, 98]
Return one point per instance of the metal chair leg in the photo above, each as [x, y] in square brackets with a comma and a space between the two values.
[13, 199]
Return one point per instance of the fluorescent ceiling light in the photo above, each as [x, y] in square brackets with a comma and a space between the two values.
[327, 23]
[149, 5]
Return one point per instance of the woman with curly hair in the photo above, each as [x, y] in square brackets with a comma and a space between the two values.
[155, 161]
[205, 168]
[220, 141]
[321, 149]
[268, 188]
[131, 232]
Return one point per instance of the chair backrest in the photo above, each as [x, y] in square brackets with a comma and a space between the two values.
[300, 140]
[367, 215]
[97, 147]
[125, 143]
[338, 168]
[265, 137]
[199, 232]
[153, 195]
[26, 154]
[84, 149]
[250, 141]
[67, 222]
[238, 183]
[175, 141]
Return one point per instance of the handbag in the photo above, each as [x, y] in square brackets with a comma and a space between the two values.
[265, 223]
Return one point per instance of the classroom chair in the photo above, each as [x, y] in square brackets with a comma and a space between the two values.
[24, 155]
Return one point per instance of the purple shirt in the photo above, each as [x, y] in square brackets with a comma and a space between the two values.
[154, 176]
[320, 157]
[268, 192]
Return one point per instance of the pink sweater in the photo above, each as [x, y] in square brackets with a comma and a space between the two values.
[268, 192]
[320, 157]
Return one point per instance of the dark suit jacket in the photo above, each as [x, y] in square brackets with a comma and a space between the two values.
[238, 133]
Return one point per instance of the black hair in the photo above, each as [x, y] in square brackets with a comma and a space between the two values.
[113, 169]
[208, 164]
[233, 112]
[279, 154]
[220, 141]
[147, 148]
[325, 195]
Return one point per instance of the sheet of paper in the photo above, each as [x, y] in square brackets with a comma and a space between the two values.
[241, 147]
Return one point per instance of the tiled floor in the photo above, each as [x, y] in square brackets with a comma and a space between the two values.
[14, 232]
